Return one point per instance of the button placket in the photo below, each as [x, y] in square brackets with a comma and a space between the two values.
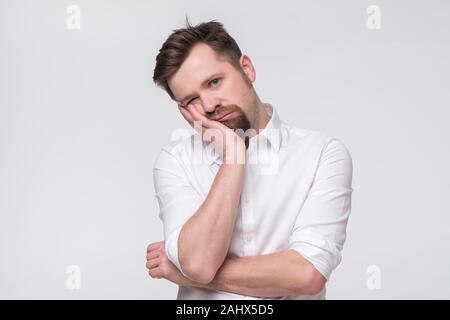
[248, 217]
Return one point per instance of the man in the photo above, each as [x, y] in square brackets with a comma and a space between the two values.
[252, 208]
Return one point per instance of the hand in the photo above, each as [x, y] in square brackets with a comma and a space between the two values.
[226, 142]
[160, 266]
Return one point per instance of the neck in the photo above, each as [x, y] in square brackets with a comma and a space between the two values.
[261, 117]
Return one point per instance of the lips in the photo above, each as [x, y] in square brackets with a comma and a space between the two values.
[222, 116]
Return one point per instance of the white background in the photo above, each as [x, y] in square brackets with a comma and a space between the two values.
[81, 124]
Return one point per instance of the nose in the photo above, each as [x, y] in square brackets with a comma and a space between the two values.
[210, 103]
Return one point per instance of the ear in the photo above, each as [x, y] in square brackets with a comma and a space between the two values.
[247, 66]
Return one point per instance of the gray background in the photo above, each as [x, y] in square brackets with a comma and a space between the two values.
[81, 124]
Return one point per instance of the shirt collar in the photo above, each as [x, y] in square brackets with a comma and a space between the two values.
[271, 133]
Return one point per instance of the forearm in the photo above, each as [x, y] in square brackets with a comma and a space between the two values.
[205, 238]
[282, 273]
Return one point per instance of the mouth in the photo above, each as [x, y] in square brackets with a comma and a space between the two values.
[226, 116]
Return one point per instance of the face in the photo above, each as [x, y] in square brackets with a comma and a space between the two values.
[215, 88]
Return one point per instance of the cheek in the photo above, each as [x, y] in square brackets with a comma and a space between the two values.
[232, 92]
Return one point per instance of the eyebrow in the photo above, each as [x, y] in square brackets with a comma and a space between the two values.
[204, 83]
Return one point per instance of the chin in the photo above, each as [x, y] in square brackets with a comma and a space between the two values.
[238, 123]
[231, 125]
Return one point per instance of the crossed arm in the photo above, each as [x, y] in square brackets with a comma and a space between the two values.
[281, 273]
[203, 246]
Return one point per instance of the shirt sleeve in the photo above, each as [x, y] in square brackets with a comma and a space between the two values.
[320, 229]
[177, 200]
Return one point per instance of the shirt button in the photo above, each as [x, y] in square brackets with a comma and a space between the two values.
[248, 238]
[245, 198]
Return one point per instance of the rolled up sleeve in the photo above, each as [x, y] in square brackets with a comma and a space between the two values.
[320, 229]
[177, 200]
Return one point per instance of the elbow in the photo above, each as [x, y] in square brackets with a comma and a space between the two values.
[199, 273]
[313, 281]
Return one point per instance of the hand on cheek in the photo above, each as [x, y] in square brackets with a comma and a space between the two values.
[191, 115]
[214, 131]
[198, 115]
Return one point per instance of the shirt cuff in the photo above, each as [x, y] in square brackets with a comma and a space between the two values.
[171, 246]
[323, 255]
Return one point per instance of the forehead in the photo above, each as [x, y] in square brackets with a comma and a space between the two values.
[201, 63]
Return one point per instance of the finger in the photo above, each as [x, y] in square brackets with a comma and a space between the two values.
[197, 122]
[191, 119]
[154, 246]
[155, 273]
[207, 123]
[150, 264]
[152, 255]
[196, 115]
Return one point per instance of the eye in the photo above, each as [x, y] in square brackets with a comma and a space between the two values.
[193, 100]
[214, 82]
[190, 101]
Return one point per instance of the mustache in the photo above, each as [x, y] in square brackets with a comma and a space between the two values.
[223, 110]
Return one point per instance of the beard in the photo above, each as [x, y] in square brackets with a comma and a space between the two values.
[241, 121]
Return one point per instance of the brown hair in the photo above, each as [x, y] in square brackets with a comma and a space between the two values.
[179, 44]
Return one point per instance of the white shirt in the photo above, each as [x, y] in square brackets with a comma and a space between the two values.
[296, 195]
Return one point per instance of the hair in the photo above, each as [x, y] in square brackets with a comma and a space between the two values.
[180, 43]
